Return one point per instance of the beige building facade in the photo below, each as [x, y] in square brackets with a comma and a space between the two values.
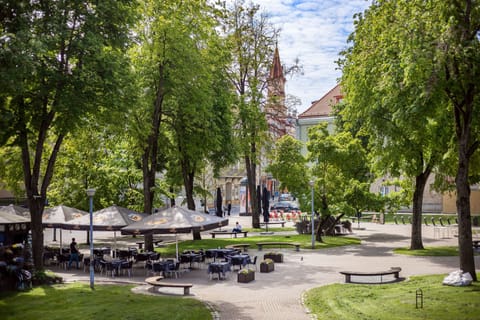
[321, 111]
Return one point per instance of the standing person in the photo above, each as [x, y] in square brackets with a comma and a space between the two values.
[73, 253]
[229, 207]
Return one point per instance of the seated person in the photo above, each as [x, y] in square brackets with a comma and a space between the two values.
[238, 227]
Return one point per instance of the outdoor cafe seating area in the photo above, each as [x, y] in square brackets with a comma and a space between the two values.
[128, 262]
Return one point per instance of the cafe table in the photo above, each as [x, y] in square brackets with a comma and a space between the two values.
[239, 260]
[220, 268]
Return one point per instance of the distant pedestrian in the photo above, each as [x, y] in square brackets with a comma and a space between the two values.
[73, 253]
[229, 207]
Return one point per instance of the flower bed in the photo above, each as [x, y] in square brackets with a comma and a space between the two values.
[275, 256]
[245, 275]
[267, 265]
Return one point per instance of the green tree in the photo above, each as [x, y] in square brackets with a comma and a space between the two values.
[403, 129]
[419, 60]
[340, 171]
[101, 158]
[60, 60]
[290, 168]
[251, 41]
[184, 98]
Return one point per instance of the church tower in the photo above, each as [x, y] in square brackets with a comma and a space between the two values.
[275, 110]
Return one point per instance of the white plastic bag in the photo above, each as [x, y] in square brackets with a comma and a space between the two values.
[458, 278]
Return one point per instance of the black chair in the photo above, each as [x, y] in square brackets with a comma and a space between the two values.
[86, 264]
[175, 271]
[254, 262]
[142, 257]
[127, 266]
[107, 267]
[154, 256]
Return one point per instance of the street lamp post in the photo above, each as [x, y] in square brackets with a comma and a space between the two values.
[90, 194]
[313, 216]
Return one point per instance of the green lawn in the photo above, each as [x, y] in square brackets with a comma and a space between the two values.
[77, 301]
[429, 251]
[304, 240]
[395, 301]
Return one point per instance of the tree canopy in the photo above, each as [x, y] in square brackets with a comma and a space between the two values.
[412, 69]
[60, 61]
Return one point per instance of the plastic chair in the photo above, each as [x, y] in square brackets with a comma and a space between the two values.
[254, 262]
[175, 271]
[127, 266]
[107, 267]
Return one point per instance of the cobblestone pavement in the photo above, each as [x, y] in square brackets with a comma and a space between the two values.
[278, 295]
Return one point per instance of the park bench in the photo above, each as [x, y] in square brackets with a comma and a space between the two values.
[392, 271]
[157, 282]
[243, 246]
[476, 244]
[260, 245]
[273, 222]
[230, 233]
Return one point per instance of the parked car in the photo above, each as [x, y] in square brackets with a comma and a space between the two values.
[285, 197]
[285, 206]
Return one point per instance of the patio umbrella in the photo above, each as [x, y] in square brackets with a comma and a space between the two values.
[175, 220]
[259, 200]
[18, 210]
[265, 205]
[8, 218]
[12, 225]
[112, 218]
[219, 203]
[55, 217]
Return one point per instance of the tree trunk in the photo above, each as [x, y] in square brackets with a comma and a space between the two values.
[31, 178]
[252, 176]
[36, 206]
[416, 237]
[467, 261]
[150, 155]
[461, 73]
[318, 228]
[188, 179]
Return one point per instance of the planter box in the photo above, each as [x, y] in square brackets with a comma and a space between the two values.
[267, 267]
[245, 277]
[276, 257]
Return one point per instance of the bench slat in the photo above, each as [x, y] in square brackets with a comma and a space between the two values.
[228, 233]
[348, 274]
[292, 244]
[156, 282]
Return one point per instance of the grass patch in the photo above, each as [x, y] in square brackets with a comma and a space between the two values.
[304, 240]
[429, 251]
[395, 301]
[77, 301]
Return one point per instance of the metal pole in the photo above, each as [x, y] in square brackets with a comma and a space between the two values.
[313, 218]
[91, 193]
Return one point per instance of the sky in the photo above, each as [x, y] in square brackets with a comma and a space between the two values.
[314, 31]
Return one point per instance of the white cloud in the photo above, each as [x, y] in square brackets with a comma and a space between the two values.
[315, 31]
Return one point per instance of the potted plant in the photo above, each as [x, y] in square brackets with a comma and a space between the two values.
[275, 256]
[246, 275]
[267, 265]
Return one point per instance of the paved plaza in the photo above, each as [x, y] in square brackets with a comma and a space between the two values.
[278, 295]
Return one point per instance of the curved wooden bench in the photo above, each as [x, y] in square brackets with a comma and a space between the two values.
[260, 245]
[273, 222]
[156, 282]
[394, 270]
[230, 233]
[243, 246]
